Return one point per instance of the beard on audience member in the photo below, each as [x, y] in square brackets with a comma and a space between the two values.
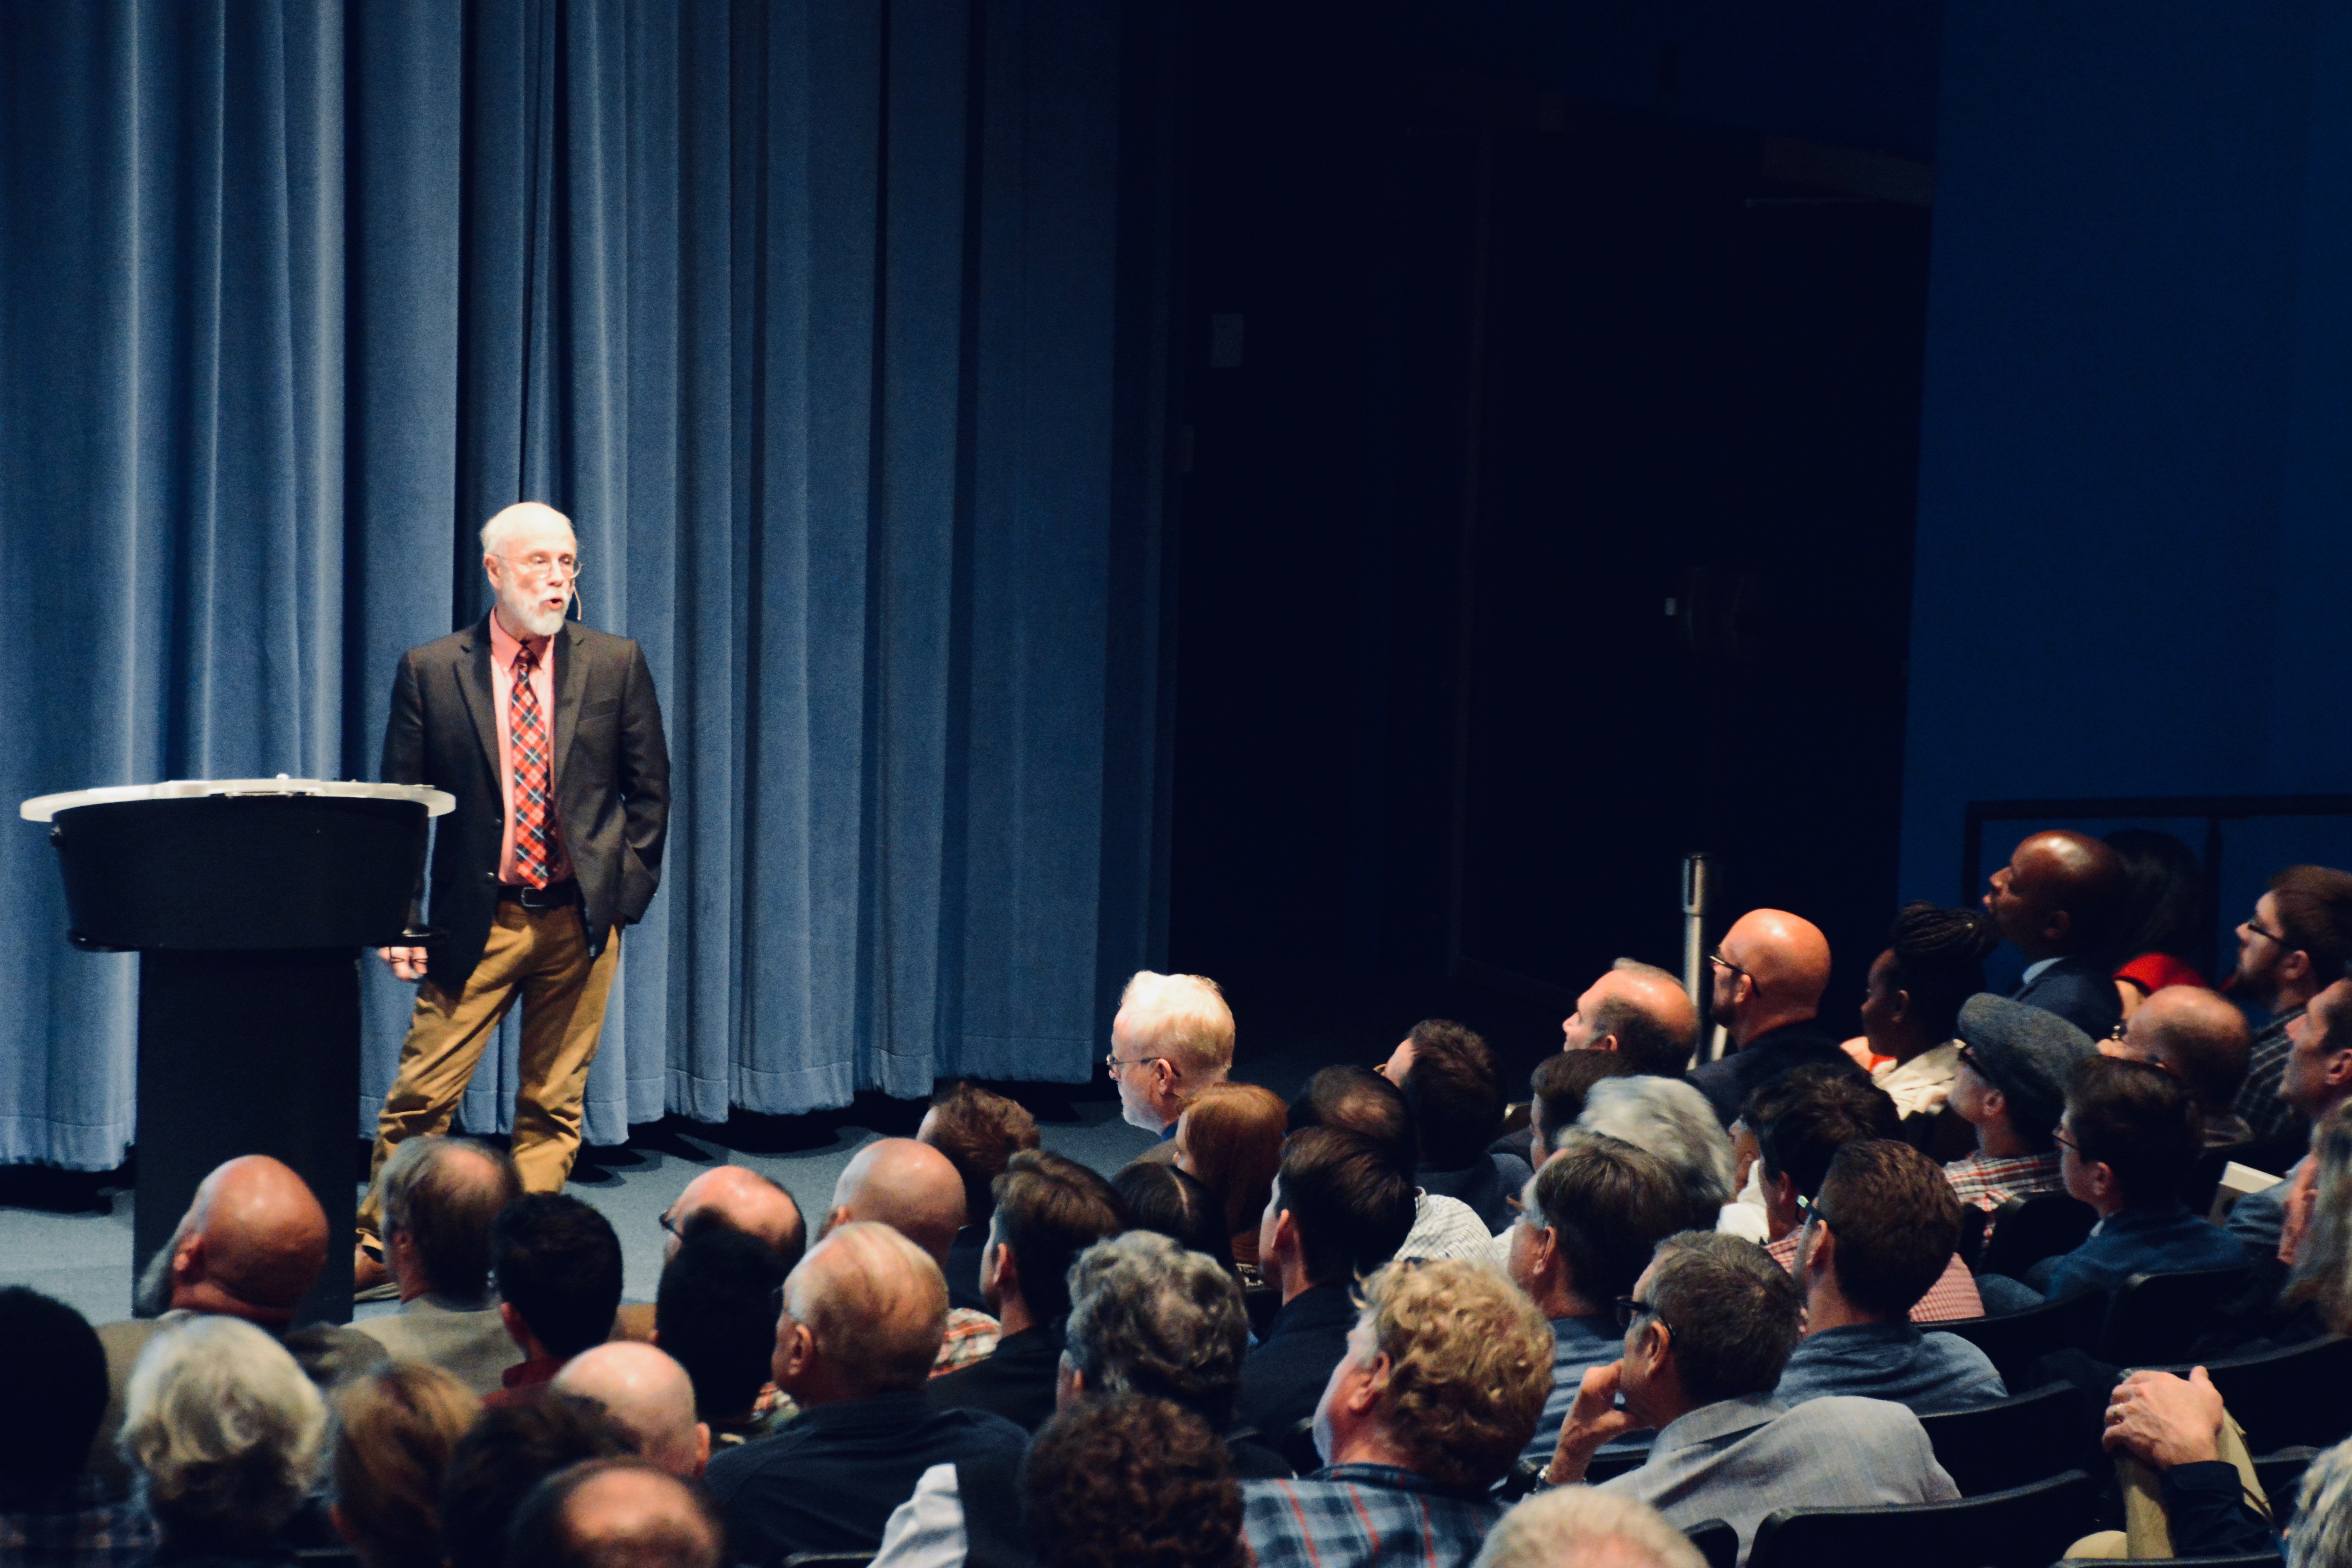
[153, 1296]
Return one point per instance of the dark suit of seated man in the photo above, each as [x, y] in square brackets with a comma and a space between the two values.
[2126, 1141]
[2053, 903]
[863, 1318]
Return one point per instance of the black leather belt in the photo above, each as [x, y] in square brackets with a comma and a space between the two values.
[554, 895]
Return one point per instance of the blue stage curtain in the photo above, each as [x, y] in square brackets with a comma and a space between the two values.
[837, 328]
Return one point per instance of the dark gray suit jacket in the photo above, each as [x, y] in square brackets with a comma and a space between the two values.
[2078, 990]
[612, 780]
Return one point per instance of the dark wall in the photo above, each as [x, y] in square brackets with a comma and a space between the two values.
[2138, 413]
[1530, 346]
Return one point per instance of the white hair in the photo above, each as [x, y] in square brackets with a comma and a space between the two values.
[2323, 1514]
[1576, 1527]
[225, 1431]
[506, 518]
[1674, 1122]
[1185, 1019]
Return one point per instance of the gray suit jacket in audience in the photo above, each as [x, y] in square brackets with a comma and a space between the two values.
[472, 1346]
[1741, 1459]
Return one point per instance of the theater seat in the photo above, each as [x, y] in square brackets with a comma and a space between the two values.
[2015, 1341]
[1716, 1542]
[2155, 1318]
[2026, 1527]
[2011, 1443]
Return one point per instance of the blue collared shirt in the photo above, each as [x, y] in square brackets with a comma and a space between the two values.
[1356, 1516]
[2156, 1239]
[1926, 1372]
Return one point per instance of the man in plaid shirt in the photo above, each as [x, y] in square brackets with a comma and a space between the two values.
[2011, 1086]
[2294, 947]
[1445, 1372]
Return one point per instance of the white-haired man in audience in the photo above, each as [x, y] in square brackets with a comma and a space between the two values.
[1173, 1038]
[225, 1433]
[1674, 1122]
[1578, 1527]
[862, 1318]
[1444, 1376]
[1709, 1328]
[649, 1397]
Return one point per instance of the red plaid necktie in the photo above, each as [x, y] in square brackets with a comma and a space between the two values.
[527, 735]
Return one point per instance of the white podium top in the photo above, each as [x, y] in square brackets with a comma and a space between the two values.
[42, 807]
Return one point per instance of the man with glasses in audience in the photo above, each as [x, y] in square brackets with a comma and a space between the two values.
[1769, 973]
[1173, 1037]
[2294, 946]
[550, 735]
[2011, 1086]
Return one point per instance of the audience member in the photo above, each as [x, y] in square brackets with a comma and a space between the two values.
[394, 1431]
[2322, 1536]
[860, 1329]
[1933, 961]
[1879, 1237]
[1165, 1200]
[1048, 1210]
[2161, 930]
[1559, 1086]
[1446, 1073]
[225, 1433]
[250, 1247]
[649, 1397]
[1173, 1037]
[1230, 1138]
[1770, 970]
[725, 1198]
[440, 1195]
[2317, 1298]
[1341, 1209]
[1709, 1328]
[1132, 1483]
[715, 1313]
[914, 1189]
[1802, 1120]
[559, 1272]
[980, 1133]
[2294, 947]
[2011, 1085]
[2315, 1080]
[2055, 902]
[1360, 1100]
[1577, 1527]
[1146, 1319]
[1441, 1382]
[54, 1507]
[2129, 1138]
[511, 1450]
[2201, 1039]
[616, 1513]
[1638, 1012]
[1588, 1221]
[1673, 1121]
[2173, 1425]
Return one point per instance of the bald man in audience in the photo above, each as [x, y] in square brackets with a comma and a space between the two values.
[616, 1513]
[1770, 970]
[2054, 902]
[649, 1397]
[1173, 1038]
[1640, 1011]
[915, 1190]
[250, 1247]
[736, 1198]
[862, 1320]
[2202, 1039]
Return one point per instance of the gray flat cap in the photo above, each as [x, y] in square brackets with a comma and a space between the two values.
[2026, 1053]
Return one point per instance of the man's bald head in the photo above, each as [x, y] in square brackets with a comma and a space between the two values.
[864, 1314]
[907, 1185]
[1638, 1009]
[1772, 969]
[252, 1243]
[649, 1397]
[616, 1513]
[2057, 894]
[2198, 1036]
[742, 1200]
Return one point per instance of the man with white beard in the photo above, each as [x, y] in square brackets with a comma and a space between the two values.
[549, 737]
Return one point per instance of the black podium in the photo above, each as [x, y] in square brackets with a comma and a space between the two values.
[248, 901]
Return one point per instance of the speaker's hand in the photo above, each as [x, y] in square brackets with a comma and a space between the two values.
[406, 963]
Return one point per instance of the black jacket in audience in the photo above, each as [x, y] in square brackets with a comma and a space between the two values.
[962, 1268]
[2078, 990]
[1283, 1377]
[1016, 1380]
[828, 1481]
[1727, 1084]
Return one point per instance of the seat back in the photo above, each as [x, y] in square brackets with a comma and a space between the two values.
[2026, 1231]
[2025, 1526]
[1972, 1234]
[1716, 1542]
[2012, 1443]
[2155, 1318]
[2017, 1340]
[2288, 1399]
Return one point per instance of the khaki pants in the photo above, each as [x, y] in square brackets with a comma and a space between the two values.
[541, 957]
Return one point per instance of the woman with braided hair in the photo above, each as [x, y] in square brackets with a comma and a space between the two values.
[1910, 1013]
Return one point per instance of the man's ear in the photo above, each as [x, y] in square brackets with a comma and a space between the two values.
[2294, 967]
[2337, 1070]
[188, 1258]
[1606, 1042]
[1821, 1253]
[1372, 1381]
[2057, 925]
[840, 1215]
[1003, 1270]
[517, 1330]
[1285, 1234]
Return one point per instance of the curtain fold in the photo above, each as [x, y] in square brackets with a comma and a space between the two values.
[814, 315]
